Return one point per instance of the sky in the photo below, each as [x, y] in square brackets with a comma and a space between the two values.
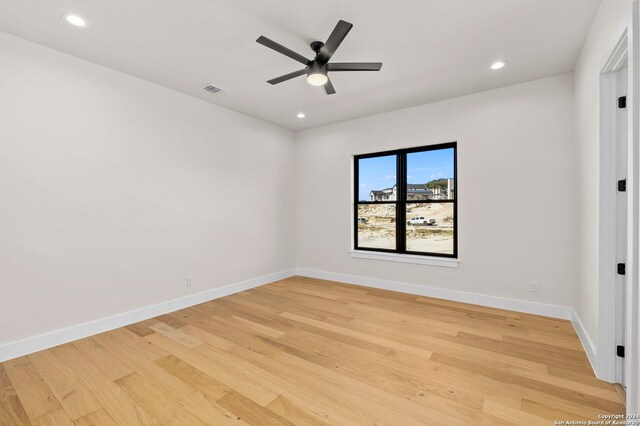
[380, 172]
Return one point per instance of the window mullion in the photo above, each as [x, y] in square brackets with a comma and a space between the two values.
[401, 243]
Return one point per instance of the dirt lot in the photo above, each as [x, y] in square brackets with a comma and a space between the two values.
[379, 229]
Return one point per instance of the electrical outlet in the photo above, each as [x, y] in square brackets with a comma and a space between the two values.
[533, 286]
[189, 281]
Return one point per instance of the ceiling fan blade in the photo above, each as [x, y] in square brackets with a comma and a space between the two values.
[287, 76]
[328, 88]
[354, 66]
[281, 49]
[337, 36]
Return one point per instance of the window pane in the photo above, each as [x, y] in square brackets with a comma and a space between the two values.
[377, 226]
[430, 175]
[377, 178]
[430, 227]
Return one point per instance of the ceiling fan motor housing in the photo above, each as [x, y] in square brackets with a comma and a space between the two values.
[316, 68]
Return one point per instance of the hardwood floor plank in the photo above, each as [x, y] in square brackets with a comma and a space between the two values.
[171, 320]
[234, 379]
[345, 331]
[109, 364]
[110, 396]
[196, 378]
[561, 382]
[606, 405]
[177, 335]
[379, 371]
[170, 385]
[436, 343]
[496, 346]
[293, 413]
[338, 337]
[97, 418]
[209, 411]
[141, 346]
[142, 328]
[465, 307]
[35, 396]
[11, 409]
[331, 406]
[220, 331]
[56, 418]
[252, 385]
[250, 412]
[259, 328]
[4, 379]
[511, 415]
[207, 337]
[289, 368]
[550, 413]
[586, 378]
[553, 350]
[76, 400]
[385, 407]
[558, 406]
[156, 402]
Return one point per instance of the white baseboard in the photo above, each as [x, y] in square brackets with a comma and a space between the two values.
[587, 344]
[524, 306]
[54, 338]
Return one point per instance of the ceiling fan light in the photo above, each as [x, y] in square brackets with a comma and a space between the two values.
[317, 79]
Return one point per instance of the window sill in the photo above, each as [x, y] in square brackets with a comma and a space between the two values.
[445, 262]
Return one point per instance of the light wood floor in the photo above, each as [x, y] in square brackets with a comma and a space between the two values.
[306, 351]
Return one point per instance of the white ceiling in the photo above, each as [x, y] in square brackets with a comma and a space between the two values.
[431, 49]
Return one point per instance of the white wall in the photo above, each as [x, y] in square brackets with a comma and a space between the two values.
[113, 190]
[516, 180]
[607, 21]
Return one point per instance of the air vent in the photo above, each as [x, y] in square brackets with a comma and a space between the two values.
[213, 89]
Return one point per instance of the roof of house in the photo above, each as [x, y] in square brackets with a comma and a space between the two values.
[416, 187]
[411, 186]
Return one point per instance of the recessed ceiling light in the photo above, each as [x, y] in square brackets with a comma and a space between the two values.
[301, 115]
[74, 20]
[497, 65]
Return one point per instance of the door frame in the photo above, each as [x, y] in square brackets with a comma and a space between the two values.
[622, 51]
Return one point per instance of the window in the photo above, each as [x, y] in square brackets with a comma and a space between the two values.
[405, 201]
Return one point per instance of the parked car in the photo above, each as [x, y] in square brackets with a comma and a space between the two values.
[362, 220]
[421, 220]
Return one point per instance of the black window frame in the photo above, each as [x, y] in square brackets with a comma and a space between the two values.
[402, 200]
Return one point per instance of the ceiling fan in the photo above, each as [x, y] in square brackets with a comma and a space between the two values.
[317, 70]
